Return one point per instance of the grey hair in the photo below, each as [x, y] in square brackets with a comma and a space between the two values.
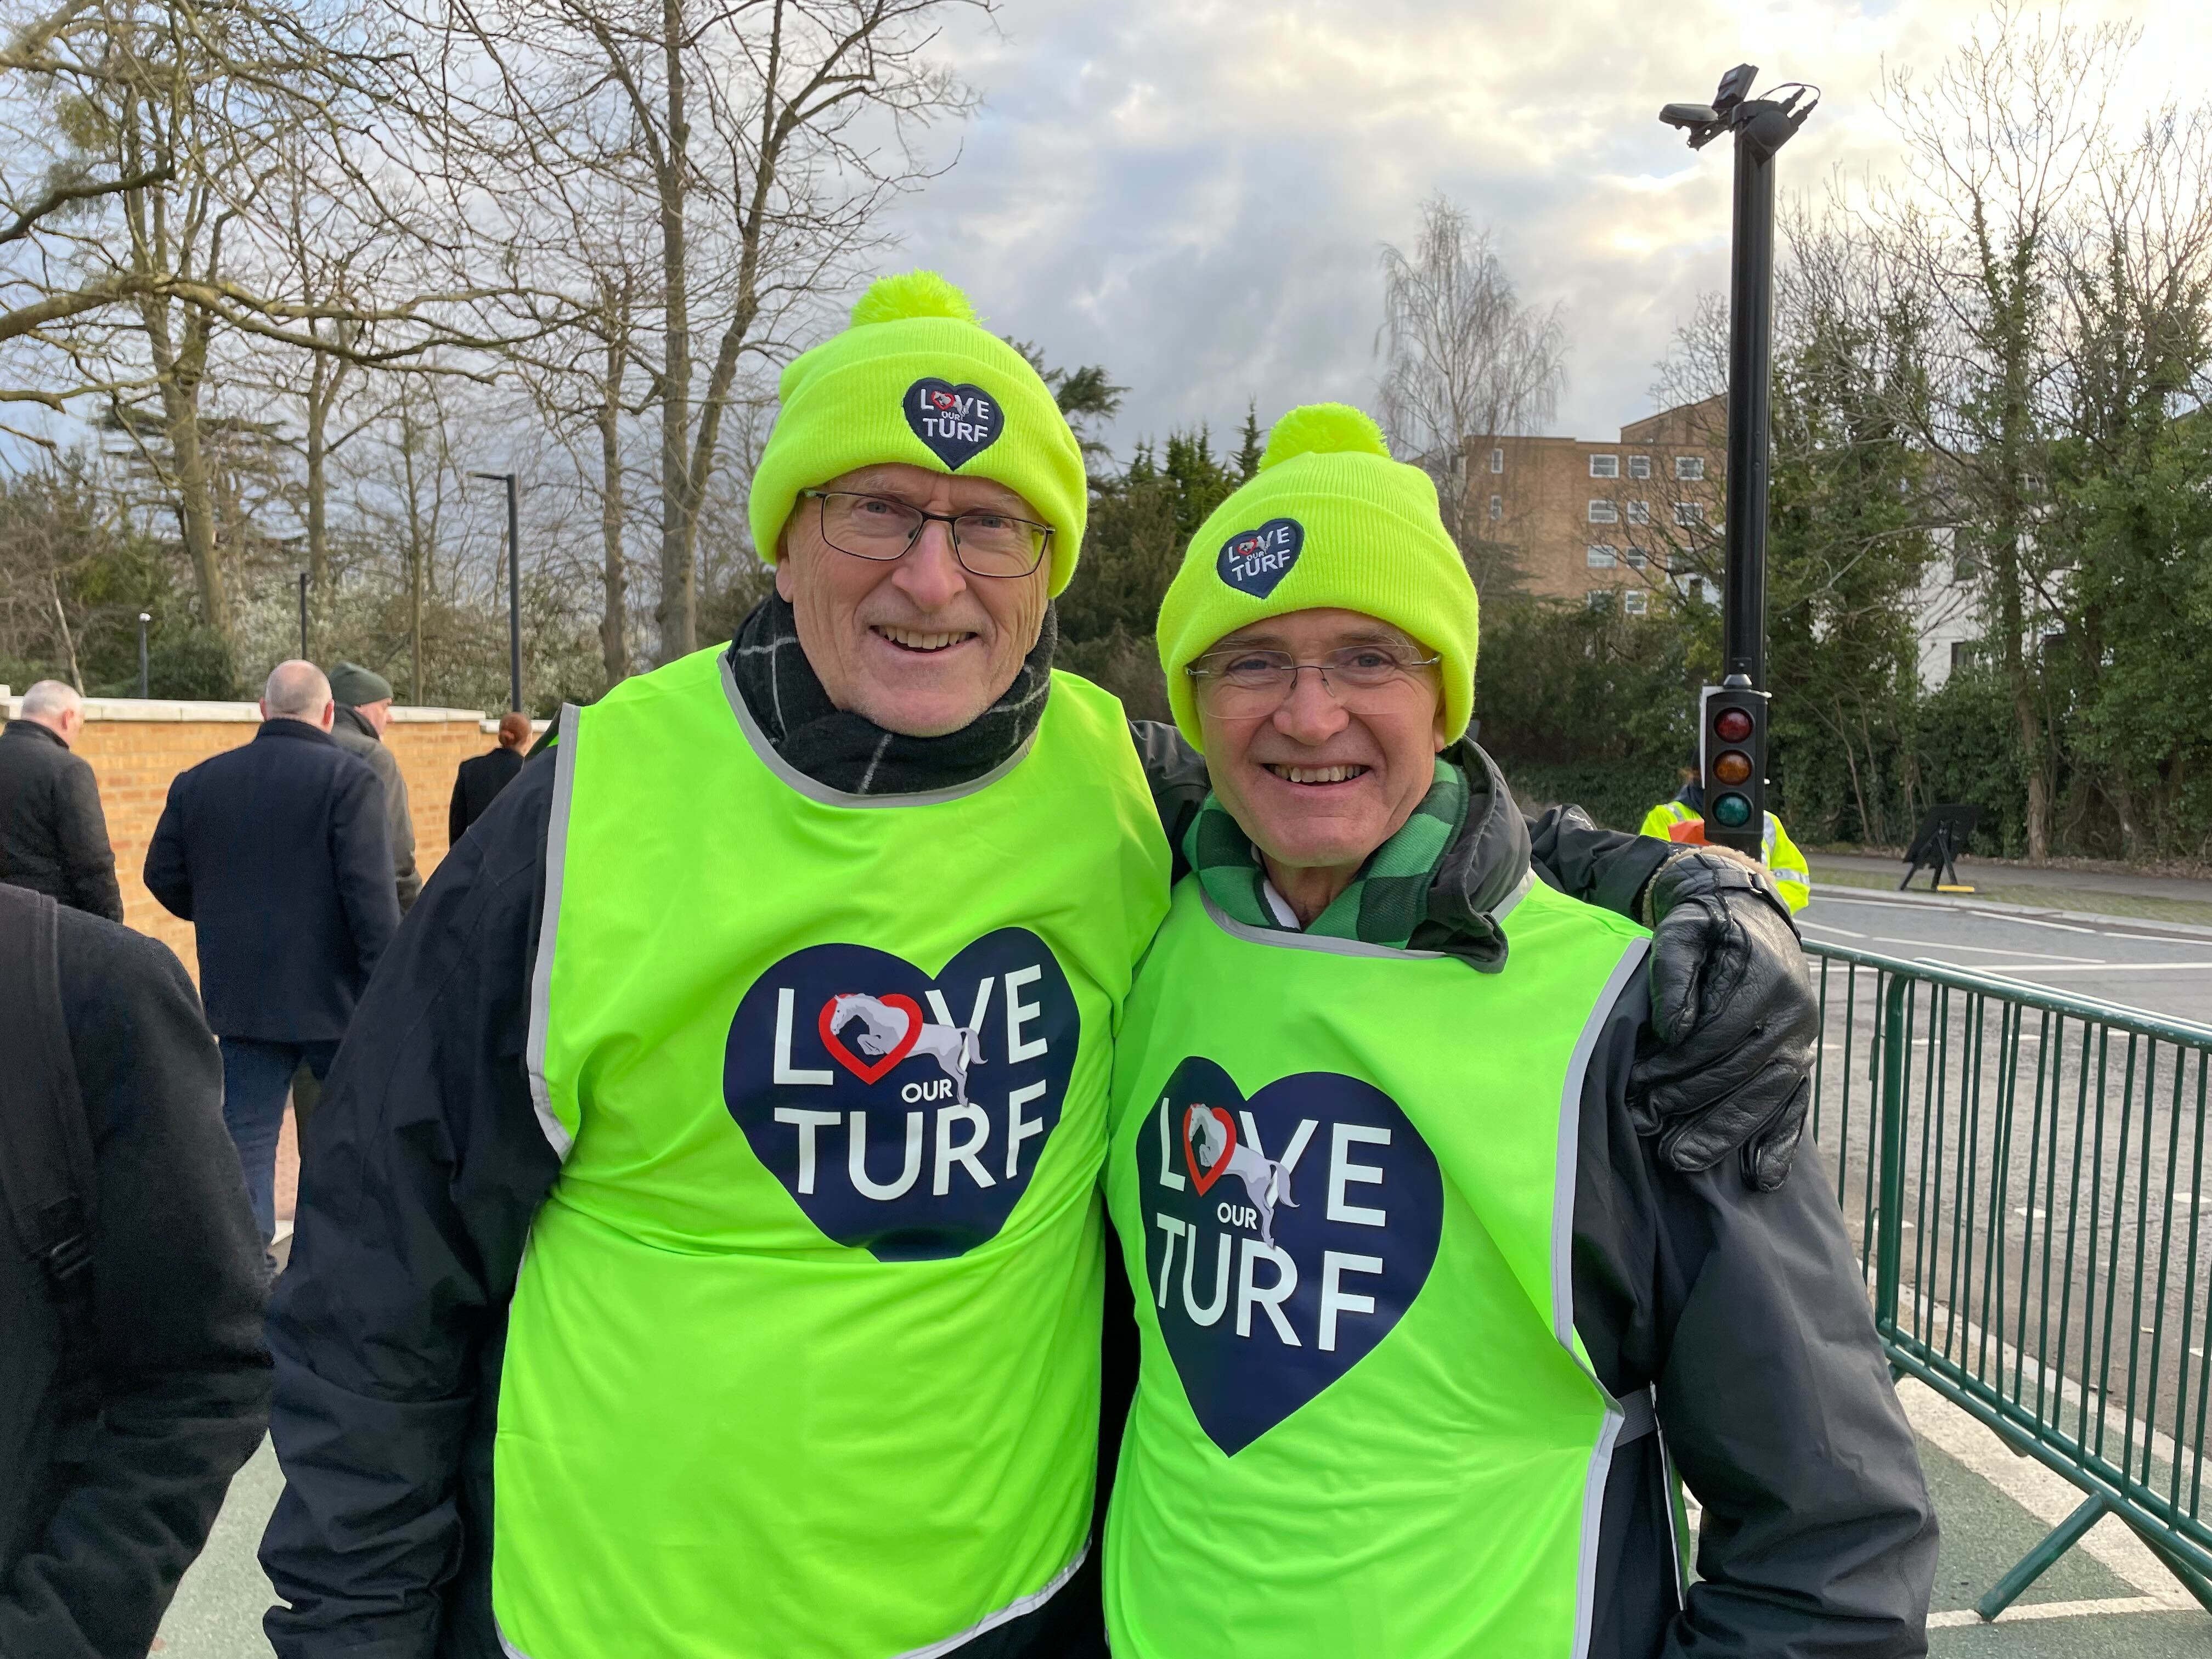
[50, 697]
[296, 689]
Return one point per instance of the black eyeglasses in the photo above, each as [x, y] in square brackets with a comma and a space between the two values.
[986, 544]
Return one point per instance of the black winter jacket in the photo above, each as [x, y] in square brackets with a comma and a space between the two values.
[425, 1164]
[53, 836]
[100, 1516]
[276, 853]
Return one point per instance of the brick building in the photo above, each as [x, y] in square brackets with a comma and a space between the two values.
[1578, 519]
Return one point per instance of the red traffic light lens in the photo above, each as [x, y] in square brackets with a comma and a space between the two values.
[1732, 726]
[1733, 766]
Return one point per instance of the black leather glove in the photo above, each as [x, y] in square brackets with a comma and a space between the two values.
[1737, 1022]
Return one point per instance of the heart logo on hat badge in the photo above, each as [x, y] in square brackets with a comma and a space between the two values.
[957, 422]
[1255, 562]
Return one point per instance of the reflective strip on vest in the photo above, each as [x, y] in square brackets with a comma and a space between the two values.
[803, 1356]
[1343, 1181]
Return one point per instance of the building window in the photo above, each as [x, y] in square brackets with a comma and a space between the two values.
[1639, 466]
[1604, 512]
[1640, 513]
[1600, 599]
[1689, 513]
[1498, 507]
[1498, 460]
[1690, 466]
[1605, 466]
[1636, 602]
[1962, 655]
[1635, 559]
[1599, 558]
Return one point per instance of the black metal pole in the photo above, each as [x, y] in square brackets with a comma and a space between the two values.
[1750, 351]
[142, 620]
[513, 597]
[303, 617]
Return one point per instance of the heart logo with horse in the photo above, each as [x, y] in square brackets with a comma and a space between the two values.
[957, 422]
[1285, 1237]
[904, 1113]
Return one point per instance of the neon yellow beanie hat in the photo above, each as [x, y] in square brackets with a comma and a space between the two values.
[1329, 521]
[917, 379]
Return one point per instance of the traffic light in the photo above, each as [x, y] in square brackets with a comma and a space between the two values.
[1732, 736]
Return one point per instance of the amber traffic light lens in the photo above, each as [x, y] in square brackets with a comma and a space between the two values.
[1734, 767]
[1732, 726]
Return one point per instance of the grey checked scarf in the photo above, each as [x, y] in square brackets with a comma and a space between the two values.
[849, 752]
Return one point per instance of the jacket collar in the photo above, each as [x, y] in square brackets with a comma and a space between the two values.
[282, 727]
[1485, 870]
[27, 728]
[353, 720]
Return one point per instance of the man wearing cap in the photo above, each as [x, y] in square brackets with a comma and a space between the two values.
[774, 1014]
[364, 705]
[1425, 1308]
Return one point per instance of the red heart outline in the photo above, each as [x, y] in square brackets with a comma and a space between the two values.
[1203, 1183]
[851, 1061]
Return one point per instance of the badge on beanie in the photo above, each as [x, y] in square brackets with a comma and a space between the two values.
[958, 422]
[1255, 562]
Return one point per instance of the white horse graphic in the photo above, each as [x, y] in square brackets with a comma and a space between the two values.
[954, 1047]
[1267, 1182]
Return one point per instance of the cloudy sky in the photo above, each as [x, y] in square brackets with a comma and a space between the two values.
[1193, 193]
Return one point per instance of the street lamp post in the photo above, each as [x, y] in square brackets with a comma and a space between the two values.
[514, 588]
[1732, 715]
[303, 618]
[144, 618]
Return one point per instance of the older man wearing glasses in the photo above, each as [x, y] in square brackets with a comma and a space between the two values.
[774, 1017]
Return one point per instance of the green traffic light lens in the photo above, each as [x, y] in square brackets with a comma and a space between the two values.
[1733, 810]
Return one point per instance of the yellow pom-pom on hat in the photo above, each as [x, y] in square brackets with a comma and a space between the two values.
[918, 378]
[1328, 521]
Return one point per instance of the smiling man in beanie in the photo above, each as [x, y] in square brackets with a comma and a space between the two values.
[1424, 1307]
[364, 704]
[772, 1016]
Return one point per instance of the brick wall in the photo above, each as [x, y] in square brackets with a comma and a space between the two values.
[135, 747]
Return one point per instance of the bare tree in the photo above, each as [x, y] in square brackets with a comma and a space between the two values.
[1463, 358]
[762, 138]
[1999, 141]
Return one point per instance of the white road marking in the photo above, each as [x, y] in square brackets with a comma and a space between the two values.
[2179, 1601]
[2048, 1497]
[2093, 968]
[1983, 950]
[1831, 928]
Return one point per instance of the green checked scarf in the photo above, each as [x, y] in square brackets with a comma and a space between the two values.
[1386, 900]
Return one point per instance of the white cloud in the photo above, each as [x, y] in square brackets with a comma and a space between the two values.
[1194, 194]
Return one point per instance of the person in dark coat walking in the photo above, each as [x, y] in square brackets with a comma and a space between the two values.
[132, 1390]
[364, 703]
[53, 836]
[276, 854]
[479, 779]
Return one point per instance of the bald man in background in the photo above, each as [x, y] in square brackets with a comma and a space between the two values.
[277, 853]
[53, 836]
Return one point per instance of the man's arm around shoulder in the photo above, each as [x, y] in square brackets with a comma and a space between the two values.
[1748, 1310]
[422, 1168]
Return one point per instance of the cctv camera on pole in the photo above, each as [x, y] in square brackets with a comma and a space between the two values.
[1732, 715]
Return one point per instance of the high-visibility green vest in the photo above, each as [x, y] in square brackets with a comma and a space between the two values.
[1343, 1177]
[803, 1359]
[1674, 820]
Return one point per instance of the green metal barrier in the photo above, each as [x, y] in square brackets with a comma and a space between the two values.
[2024, 1173]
